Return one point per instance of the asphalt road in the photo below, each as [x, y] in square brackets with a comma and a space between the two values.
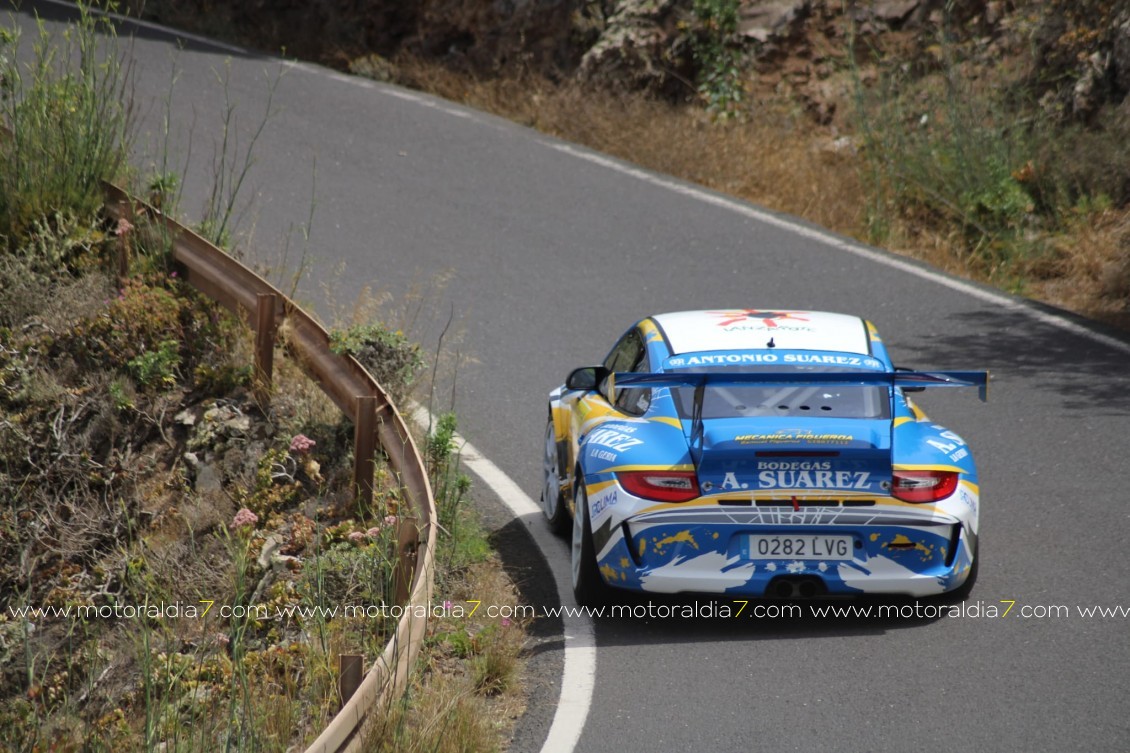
[552, 254]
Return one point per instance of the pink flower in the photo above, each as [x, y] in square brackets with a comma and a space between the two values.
[373, 532]
[390, 520]
[447, 605]
[123, 227]
[222, 639]
[356, 536]
[505, 622]
[301, 444]
[244, 518]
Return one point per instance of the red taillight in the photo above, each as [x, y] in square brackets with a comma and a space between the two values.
[661, 486]
[923, 486]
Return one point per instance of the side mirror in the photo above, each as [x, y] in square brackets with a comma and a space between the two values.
[909, 389]
[586, 378]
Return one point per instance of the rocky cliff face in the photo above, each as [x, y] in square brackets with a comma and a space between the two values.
[1075, 53]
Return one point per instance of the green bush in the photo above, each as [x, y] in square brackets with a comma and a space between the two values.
[140, 320]
[949, 149]
[957, 160]
[1079, 166]
[389, 355]
[157, 369]
[718, 58]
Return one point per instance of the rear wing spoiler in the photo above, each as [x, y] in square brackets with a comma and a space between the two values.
[908, 379]
[914, 380]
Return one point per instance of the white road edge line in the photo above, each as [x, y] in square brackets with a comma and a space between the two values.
[578, 675]
[829, 239]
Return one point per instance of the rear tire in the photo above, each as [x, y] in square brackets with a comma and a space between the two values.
[552, 500]
[961, 593]
[589, 588]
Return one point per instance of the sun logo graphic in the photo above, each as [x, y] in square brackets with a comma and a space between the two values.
[769, 318]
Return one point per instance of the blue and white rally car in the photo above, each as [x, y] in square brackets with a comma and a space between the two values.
[762, 453]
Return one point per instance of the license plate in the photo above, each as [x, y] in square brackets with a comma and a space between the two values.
[801, 547]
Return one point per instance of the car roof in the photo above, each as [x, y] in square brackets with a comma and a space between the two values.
[752, 329]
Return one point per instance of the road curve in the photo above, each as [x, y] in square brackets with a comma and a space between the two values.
[555, 250]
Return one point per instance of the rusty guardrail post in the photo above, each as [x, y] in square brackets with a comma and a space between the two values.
[407, 540]
[266, 328]
[125, 227]
[350, 668]
[364, 447]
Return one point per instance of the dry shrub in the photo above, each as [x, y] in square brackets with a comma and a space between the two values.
[448, 718]
[37, 281]
[1093, 270]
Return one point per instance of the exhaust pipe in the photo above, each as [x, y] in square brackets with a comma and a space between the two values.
[796, 587]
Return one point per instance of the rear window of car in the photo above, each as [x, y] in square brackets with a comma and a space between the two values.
[791, 400]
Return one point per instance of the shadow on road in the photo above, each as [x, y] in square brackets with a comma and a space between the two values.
[1013, 345]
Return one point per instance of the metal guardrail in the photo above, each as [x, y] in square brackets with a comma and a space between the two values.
[376, 422]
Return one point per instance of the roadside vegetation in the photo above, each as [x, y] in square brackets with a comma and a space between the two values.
[175, 557]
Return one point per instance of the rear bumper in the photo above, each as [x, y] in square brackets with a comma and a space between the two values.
[707, 550]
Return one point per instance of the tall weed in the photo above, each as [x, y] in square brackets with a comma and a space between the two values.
[70, 115]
